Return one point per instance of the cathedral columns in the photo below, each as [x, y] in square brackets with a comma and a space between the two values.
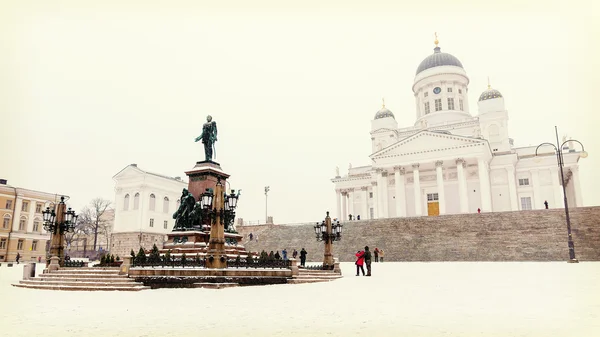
[339, 202]
[417, 190]
[384, 195]
[538, 203]
[575, 180]
[400, 191]
[462, 185]
[351, 203]
[375, 200]
[558, 192]
[344, 206]
[440, 186]
[484, 185]
[512, 188]
[365, 209]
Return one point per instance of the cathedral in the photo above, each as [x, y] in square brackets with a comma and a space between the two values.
[452, 160]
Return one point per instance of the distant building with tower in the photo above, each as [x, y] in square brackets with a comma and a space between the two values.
[450, 160]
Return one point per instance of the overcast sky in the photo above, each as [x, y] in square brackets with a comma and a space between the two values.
[88, 87]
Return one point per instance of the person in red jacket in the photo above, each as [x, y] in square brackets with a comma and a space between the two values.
[360, 260]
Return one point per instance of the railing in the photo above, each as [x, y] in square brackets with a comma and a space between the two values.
[74, 264]
[172, 262]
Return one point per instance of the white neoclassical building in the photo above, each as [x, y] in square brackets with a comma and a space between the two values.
[144, 206]
[452, 160]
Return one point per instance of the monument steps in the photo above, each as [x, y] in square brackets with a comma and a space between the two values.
[306, 280]
[313, 276]
[215, 285]
[82, 279]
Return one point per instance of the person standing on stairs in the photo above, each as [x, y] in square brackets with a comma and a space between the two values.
[303, 254]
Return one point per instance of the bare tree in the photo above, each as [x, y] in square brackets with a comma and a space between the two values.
[97, 208]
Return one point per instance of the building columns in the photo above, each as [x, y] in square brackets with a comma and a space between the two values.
[440, 186]
[339, 203]
[365, 208]
[484, 185]
[538, 203]
[577, 186]
[384, 195]
[512, 188]
[462, 185]
[344, 206]
[351, 203]
[417, 190]
[375, 201]
[400, 191]
[558, 192]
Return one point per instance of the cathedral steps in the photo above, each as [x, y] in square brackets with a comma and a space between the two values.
[82, 279]
[314, 276]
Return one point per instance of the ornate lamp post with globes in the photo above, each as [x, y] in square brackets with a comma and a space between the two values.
[328, 232]
[559, 157]
[58, 221]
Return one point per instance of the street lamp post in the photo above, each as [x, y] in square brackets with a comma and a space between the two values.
[59, 221]
[328, 232]
[219, 210]
[267, 189]
[559, 156]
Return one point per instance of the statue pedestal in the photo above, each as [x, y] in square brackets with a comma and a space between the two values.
[205, 175]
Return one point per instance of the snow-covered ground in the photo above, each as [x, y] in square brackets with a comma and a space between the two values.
[401, 299]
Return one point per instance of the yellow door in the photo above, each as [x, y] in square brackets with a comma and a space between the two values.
[433, 208]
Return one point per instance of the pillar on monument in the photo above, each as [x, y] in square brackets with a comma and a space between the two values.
[400, 191]
[417, 190]
[462, 185]
[375, 201]
[365, 203]
[484, 185]
[440, 186]
[512, 188]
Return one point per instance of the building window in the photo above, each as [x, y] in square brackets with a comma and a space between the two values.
[450, 103]
[460, 91]
[460, 105]
[525, 203]
[34, 246]
[426, 94]
[426, 108]
[6, 221]
[8, 204]
[36, 225]
[22, 223]
[372, 213]
[3, 243]
[438, 104]
[136, 201]
[20, 245]
[432, 197]
[371, 195]
[449, 89]
[126, 202]
[38, 208]
[25, 206]
[166, 224]
[524, 182]
[166, 205]
[152, 202]
[151, 222]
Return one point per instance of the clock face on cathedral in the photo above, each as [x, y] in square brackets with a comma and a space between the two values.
[437, 90]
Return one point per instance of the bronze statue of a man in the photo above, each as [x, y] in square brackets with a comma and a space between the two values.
[208, 137]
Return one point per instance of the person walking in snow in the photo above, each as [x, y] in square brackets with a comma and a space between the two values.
[360, 260]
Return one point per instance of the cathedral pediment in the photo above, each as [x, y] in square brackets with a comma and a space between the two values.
[426, 142]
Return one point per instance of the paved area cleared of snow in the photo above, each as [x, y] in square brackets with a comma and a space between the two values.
[400, 299]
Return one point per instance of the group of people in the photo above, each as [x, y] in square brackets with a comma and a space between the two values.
[284, 255]
[364, 257]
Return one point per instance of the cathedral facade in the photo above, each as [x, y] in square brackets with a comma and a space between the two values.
[452, 160]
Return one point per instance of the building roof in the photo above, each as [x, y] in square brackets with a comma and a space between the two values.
[438, 59]
[489, 94]
[178, 179]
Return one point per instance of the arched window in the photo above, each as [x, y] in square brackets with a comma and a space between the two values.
[22, 223]
[36, 224]
[152, 202]
[136, 201]
[6, 221]
[166, 205]
[494, 130]
[126, 202]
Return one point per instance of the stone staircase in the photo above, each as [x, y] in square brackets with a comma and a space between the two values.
[313, 276]
[83, 279]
